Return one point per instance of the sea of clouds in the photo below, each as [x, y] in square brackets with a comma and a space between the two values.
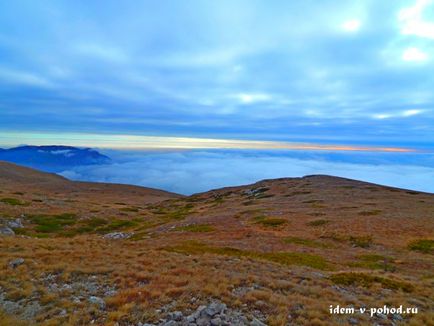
[189, 172]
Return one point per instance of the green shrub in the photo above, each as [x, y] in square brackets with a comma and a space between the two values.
[367, 280]
[282, 258]
[361, 242]
[374, 261]
[318, 222]
[196, 228]
[371, 213]
[52, 223]
[425, 246]
[12, 201]
[270, 221]
[306, 242]
[116, 225]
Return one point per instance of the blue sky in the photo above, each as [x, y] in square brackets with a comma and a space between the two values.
[335, 72]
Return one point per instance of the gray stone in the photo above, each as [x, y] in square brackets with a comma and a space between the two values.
[353, 321]
[170, 323]
[215, 308]
[203, 321]
[191, 318]
[16, 262]
[380, 315]
[216, 321]
[256, 322]
[176, 315]
[16, 224]
[10, 307]
[6, 231]
[31, 310]
[97, 301]
[117, 235]
[397, 317]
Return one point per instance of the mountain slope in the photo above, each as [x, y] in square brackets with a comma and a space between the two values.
[277, 252]
[17, 178]
[53, 158]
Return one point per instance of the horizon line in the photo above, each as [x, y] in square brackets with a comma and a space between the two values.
[136, 142]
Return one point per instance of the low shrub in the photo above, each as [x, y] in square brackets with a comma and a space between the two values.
[367, 280]
[425, 246]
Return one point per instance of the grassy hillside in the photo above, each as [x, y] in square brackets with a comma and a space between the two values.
[278, 252]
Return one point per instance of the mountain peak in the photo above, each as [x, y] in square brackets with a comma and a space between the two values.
[53, 158]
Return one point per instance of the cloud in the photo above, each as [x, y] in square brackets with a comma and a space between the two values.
[10, 139]
[190, 172]
[414, 54]
[224, 69]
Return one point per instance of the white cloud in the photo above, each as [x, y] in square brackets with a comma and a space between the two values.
[249, 98]
[412, 20]
[414, 54]
[191, 172]
[400, 114]
[409, 113]
[352, 25]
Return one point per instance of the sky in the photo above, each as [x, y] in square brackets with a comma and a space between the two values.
[334, 72]
[224, 92]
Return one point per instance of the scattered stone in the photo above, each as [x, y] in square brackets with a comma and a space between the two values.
[6, 231]
[10, 307]
[353, 321]
[97, 301]
[380, 315]
[214, 314]
[215, 308]
[257, 322]
[15, 224]
[31, 310]
[16, 262]
[117, 235]
[176, 315]
[397, 317]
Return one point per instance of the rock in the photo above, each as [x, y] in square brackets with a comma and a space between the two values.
[256, 322]
[31, 310]
[353, 321]
[191, 318]
[215, 308]
[380, 315]
[16, 262]
[203, 321]
[397, 317]
[176, 315]
[15, 224]
[10, 307]
[97, 301]
[170, 323]
[6, 231]
[216, 321]
[110, 293]
[117, 235]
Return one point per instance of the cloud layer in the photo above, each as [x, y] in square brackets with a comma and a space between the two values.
[189, 172]
[286, 70]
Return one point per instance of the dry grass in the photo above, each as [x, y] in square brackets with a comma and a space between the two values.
[273, 258]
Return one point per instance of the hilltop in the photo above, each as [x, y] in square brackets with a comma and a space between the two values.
[276, 252]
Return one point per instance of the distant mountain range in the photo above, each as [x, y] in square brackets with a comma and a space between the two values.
[53, 158]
